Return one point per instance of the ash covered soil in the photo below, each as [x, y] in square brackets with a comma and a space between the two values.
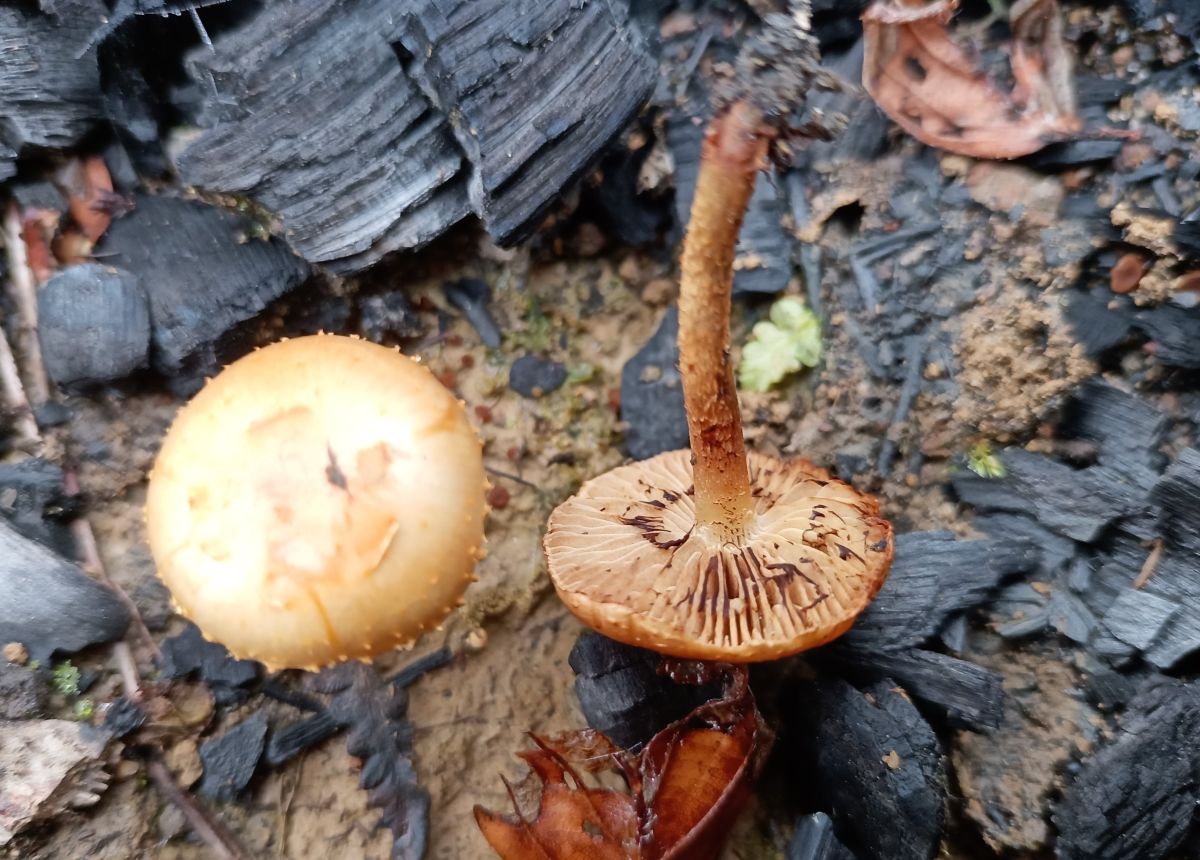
[1027, 418]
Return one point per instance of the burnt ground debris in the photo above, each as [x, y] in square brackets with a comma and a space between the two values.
[1049, 616]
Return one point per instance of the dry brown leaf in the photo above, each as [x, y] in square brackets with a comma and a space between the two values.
[685, 789]
[937, 90]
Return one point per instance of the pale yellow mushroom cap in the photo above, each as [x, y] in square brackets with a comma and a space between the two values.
[321, 499]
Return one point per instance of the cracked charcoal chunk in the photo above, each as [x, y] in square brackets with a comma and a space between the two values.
[582, 71]
[123, 717]
[1056, 550]
[878, 766]
[201, 272]
[388, 316]
[623, 695]
[652, 395]
[763, 263]
[533, 376]
[968, 696]
[1137, 617]
[932, 577]
[1102, 321]
[314, 117]
[50, 604]
[1178, 495]
[1073, 153]
[93, 324]
[1075, 503]
[189, 652]
[231, 759]
[35, 503]
[814, 839]
[1136, 797]
[49, 95]
[635, 218]
[1127, 429]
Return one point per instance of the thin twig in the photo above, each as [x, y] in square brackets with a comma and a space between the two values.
[1150, 565]
[85, 539]
[24, 294]
[27, 435]
[208, 828]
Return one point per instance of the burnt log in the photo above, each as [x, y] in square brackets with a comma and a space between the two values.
[533, 91]
[202, 269]
[1136, 798]
[314, 117]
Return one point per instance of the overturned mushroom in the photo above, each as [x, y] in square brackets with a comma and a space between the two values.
[712, 554]
[321, 499]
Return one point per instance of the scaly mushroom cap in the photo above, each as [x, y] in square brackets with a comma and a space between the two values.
[321, 499]
[628, 560]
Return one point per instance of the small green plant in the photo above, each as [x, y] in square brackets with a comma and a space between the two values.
[65, 679]
[85, 709]
[982, 460]
[787, 341]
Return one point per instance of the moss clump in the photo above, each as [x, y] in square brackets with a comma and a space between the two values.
[783, 344]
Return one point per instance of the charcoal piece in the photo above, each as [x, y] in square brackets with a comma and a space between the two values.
[1073, 153]
[534, 376]
[378, 734]
[1179, 638]
[1127, 429]
[123, 717]
[967, 695]
[35, 502]
[200, 270]
[934, 576]
[1178, 496]
[763, 263]
[1136, 617]
[1187, 236]
[582, 72]
[190, 653]
[40, 194]
[50, 604]
[294, 738]
[389, 316]
[652, 395]
[1174, 334]
[1070, 616]
[22, 693]
[1135, 798]
[814, 839]
[231, 759]
[49, 95]
[634, 218]
[1095, 323]
[878, 766]
[314, 117]
[1076, 503]
[1094, 90]
[1056, 550]
[472, 296]
[622, 693]
[93, 325]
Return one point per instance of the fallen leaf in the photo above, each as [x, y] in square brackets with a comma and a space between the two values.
[88, 187]
[685, 789]
[937, 90]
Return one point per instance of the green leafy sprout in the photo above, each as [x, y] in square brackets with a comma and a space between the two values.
[790, 339]
[65, 679]
[982, 460]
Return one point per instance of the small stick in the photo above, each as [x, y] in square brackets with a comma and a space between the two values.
[24, 294]
[85, 539]
[24, 423]
[1150, 565]
[207, 827]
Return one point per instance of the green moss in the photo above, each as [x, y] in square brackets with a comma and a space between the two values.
[85, 709]
[786, 342]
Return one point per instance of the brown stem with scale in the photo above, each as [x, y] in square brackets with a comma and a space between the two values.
[735, 148]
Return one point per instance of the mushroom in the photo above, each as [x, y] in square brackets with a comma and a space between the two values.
[320, 499]
[713, 553]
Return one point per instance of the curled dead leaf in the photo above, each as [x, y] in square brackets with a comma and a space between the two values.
[684, 789]
[937, 90]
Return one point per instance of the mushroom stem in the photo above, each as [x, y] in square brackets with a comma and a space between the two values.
[735, 148]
